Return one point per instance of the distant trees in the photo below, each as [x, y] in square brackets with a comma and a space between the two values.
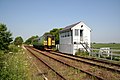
[29, 40]
[55, 32]
[18, 41]
[5, 37]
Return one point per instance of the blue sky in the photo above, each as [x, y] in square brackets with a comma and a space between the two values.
[34, 17]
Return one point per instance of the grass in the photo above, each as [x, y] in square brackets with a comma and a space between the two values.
[110, 45]
[81, 53]
[115, 46]
[14, 65]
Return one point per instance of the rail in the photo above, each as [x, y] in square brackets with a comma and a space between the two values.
[46, 64]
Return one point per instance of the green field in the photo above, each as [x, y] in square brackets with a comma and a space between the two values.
[110, 45]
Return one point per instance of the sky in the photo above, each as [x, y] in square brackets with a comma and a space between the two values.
[27, 18]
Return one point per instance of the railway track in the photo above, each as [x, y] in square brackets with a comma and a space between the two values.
[33, 63]
[68, 64]
[68, 68]
[105, 70]
[60, 77]
[102, 71]
[100, 63]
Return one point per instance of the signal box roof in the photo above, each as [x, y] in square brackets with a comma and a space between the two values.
[67, 28]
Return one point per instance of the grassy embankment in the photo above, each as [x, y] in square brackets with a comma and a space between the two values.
[14, 65]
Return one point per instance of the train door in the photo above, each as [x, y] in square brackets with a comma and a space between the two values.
[49, 42]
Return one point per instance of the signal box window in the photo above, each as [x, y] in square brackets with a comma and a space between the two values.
[76, 32]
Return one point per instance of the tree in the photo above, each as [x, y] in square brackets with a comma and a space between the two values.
[29, 40]
[18, 41]
[55, 32]
[5, 37]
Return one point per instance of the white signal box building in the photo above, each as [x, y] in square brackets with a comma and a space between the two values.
[74, 37]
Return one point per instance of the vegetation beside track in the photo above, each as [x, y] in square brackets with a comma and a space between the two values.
[15, 65]
[113, 46]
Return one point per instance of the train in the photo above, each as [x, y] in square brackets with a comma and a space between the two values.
[45, 42]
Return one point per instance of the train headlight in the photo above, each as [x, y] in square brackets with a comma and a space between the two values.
[53, 42]
[45, 42]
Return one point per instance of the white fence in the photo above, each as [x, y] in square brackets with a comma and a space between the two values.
[105, 52]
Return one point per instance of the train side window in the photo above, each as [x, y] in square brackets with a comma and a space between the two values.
[45, 38]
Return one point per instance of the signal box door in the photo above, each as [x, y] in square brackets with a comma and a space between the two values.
[81, 35]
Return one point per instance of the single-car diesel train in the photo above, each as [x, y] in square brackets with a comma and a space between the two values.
[45, 42]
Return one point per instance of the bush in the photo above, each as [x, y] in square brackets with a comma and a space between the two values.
[5, 37]
[13, 66]
[18, 41]
[81, 53]
[116, 58]
[13, 48]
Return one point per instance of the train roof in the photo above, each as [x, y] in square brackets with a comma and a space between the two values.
[47, 34]
[36, 38]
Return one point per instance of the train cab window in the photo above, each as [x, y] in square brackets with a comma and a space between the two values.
[53, 38]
